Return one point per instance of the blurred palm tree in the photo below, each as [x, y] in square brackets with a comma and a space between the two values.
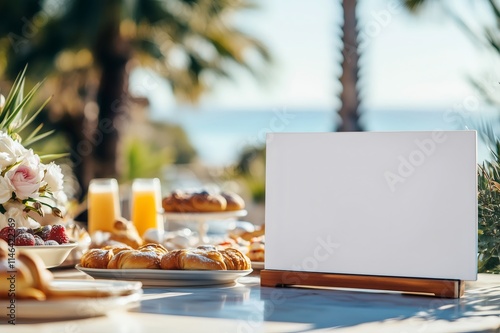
[349, 97]
[92, 46]
[486, 36]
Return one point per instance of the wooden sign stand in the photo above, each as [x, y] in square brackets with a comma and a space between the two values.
[429, 287]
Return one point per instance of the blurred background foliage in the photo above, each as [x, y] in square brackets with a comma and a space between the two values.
[87, 49]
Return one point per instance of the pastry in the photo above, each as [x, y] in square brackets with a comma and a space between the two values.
[135, 259]
[125, 232]
[204, 202]
[256, 251]
[31, 280]
[153, 247]
[234, 201]
[205, 258]
[195, 202]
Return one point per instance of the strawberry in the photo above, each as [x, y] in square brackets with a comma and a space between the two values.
[5, 232]
[25, 239]
[58, 234]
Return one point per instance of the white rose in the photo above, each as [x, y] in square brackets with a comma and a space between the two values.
[6, 190]
[10, 151]
[26, 177]
[53, 177]
[15, 211]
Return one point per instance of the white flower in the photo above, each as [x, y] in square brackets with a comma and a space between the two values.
[10, 151]
[5, 190]
[15, 211]
[53, 177]
[26, 177]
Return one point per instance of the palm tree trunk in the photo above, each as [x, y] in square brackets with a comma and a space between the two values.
[113, 54]
[350, 96]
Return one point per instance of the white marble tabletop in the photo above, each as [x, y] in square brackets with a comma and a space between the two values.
[247, 307]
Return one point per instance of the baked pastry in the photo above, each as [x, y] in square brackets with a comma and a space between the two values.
[233, 201]
[205, 258]
[256, 251]
[194, 202]
[208, 202]
[99, 258]
[153, 247]
[31, 279]
[125, 232]
[135, 259]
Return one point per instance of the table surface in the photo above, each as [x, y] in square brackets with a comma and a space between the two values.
[245, 306]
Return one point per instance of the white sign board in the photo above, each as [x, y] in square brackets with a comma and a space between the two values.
[400, 204]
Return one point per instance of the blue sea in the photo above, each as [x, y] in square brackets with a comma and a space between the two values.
[220, 136]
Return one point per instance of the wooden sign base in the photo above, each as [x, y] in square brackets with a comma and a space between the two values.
[429, 287]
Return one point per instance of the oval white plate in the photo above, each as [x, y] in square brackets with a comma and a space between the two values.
[51, 255]
[80, 307]
[167, 278]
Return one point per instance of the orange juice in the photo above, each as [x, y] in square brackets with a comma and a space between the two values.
[146, 205]
[103, 205]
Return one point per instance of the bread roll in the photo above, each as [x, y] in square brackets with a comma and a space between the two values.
[135, 259]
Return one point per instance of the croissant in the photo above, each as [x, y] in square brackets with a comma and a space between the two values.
[135, 259]
[154, 247]
[125, 232]
[205, 258]
[30, 280]
[99, 258]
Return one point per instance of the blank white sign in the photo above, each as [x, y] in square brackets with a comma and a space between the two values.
[391, 204]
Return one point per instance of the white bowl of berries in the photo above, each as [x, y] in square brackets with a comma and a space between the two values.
[50, 243]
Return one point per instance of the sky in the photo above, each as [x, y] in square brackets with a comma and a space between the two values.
[418, 60]
[407, 61]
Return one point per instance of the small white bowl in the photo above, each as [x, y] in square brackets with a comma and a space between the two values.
[51, 255]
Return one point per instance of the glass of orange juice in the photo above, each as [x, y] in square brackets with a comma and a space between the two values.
[146, 210]
[103, 204]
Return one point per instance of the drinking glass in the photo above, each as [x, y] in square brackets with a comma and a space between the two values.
[146, 210]
[103, 204]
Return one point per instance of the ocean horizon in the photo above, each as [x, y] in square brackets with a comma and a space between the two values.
[219, 136]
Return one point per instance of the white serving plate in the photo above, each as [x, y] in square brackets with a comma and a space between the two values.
[168, 278]
[121, 295]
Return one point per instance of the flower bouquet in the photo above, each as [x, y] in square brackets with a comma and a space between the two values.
[26, 182]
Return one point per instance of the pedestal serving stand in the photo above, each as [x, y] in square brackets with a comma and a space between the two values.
[202, 220]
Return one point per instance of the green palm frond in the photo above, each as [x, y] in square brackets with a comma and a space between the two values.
[16, 114]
